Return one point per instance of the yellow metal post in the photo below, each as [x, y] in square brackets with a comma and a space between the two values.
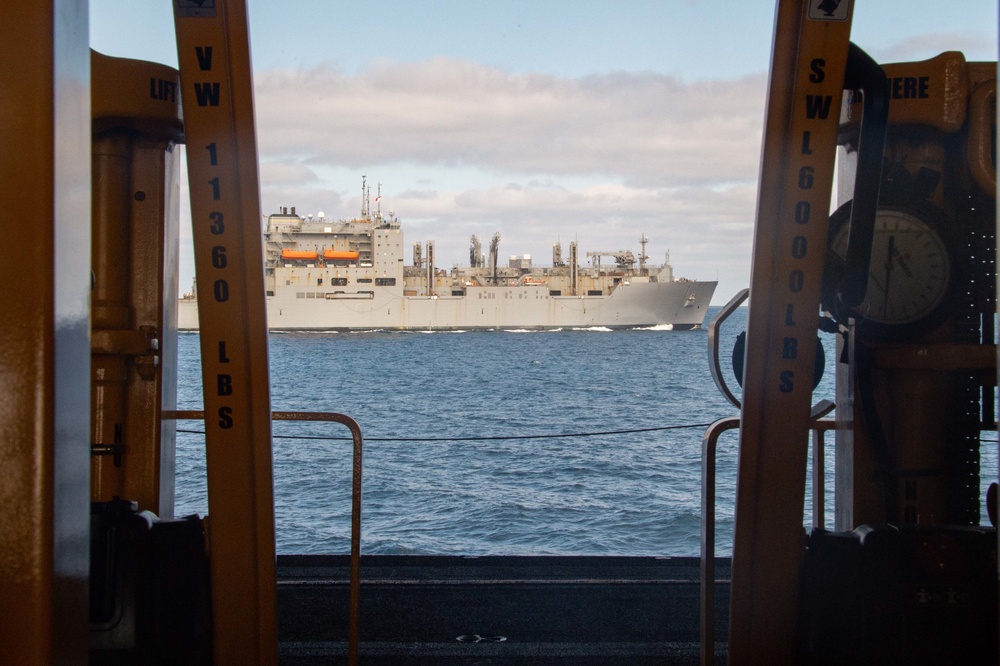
[137, 128]
[217, 96]
[44, 338]
[807, 77]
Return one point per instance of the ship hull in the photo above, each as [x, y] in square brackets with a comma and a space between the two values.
[682, 305]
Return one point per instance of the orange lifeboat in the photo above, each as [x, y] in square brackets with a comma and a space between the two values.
[300, 255]
[340, 255]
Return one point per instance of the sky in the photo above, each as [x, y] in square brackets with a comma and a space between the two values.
[545, 121]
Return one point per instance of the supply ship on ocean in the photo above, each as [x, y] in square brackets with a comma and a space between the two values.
[323, 274]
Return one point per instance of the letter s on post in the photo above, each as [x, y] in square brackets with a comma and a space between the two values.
[786, 382]
[816, 66]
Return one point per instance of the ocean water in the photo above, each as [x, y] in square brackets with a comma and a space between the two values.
[614, 467]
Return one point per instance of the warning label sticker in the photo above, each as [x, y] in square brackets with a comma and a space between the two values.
[196, 8]
[829, 10]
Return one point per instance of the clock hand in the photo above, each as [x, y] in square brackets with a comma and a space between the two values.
[888, 273]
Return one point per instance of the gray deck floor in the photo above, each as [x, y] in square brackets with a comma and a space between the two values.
[497, 610]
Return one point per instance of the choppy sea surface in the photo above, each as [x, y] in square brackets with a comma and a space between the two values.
[574, 489]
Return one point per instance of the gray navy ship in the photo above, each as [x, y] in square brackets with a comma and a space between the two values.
[348, 275]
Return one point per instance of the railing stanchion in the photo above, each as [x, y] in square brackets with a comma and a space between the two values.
[819, 479]
[819, 426]
[354, 603]
[708, 535]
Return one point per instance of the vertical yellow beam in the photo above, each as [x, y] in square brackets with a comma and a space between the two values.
[136, 121]
[217, 97]
[807, 77]
[44, 338]
[152, 387]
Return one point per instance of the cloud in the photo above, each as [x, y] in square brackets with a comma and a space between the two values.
[647, 129]
[600, 159]
[921, 47]
[698, 225]
[280, 173]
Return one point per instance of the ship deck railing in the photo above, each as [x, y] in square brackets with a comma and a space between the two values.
[354, 604]
[818, 426]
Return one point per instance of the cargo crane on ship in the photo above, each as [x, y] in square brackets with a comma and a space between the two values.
[907, 575]
[624, 259]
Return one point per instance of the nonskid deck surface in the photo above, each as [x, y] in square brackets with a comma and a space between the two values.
[497, 610]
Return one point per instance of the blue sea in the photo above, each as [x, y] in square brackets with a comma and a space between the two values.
[572, 490]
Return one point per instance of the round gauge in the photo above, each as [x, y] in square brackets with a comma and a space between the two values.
[909, 277]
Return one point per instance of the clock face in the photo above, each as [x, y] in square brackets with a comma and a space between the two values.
[910, 272]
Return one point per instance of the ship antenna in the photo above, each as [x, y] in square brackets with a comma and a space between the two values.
[378, 201]
[364, 198]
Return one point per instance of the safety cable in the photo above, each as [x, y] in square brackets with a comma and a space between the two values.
[500, 437]
[481, 439]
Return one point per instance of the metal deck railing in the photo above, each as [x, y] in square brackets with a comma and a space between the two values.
[354, 612]
[818, 426]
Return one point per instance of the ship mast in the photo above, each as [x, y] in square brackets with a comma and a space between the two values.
[364, 198]
[574, 269]
[494, 250]
[430, 268]
[475, 252]
[642, 255]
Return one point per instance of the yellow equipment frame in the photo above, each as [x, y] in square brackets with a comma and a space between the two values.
[217, 96]
[44, 439]
[45, 338]
[800, 142]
